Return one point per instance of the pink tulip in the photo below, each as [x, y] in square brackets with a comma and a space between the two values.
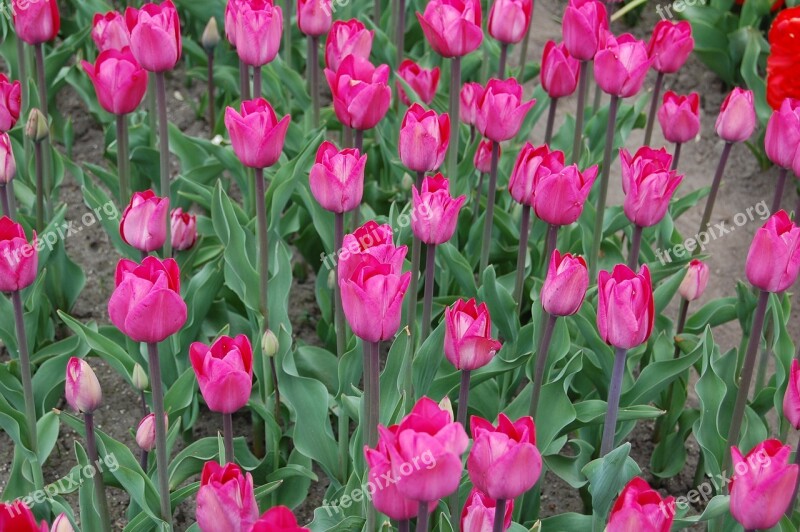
[424, 137]
[360, 91]
[648, 183]
[35, 21]
[621, 65]
[565, 285]
[471, 93]
[695, 281]
[429, 436]
[337, 178]
[468, 342]
[347, 38]
[146, 304]
[231, 15]
[504, 461]
[8, 166]
[435, 211]
[155, 35]
[17, 517]
[119, 81]
[19, 259]
[184, 229]
[278, 519]
[773, 261]
[560, 197]
[146, 432]
[501, 110]
[257, 135]
[791, 400]
[224, 372]
[783, 133]
[82, 388]
[670, 45]
[110, 31]
[625, 308]
[560, 70]
[10, 102]
[737, 116]
[452, 27]
[372, 283]
[259, 27]
[386, 499]
[314, 17]
[62, 524]
[583, 27]
[533, 163]
[763, 486]
[483, 156]
[225, 500]
[423, 81]
[679, 117]
[640, 507]
[144, 221]
[479, 511]
[509, 20]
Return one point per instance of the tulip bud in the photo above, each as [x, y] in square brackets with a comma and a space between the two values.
[424, 137]
[139, 378]
[737, 116]
[446, 405]
[332, 280]
[407, 182]
[695, 281]
[146, 432]
[61, 524]
[436, 211]
[791, 400]
[144, 221]
[8, 167]
[468, 342]
[565, 285]
[37, 129]
[82, 387]
[625, 307]
[210, 38]
[10, 102]
[483, 156]
[184, 229]
[269, 343]
[679, 116]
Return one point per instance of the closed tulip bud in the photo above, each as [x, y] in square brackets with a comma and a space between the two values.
[19, 259]
[773, 261]
[35, 22]
[625, 308]
[471, 93]
[8, 167]
[737, 116]
[278, 519]
[184, 229]
[155, 35]
[257, 136]
[648, 183]
[139, 378]
[347, 38]
[332, 280]
[360, 91]
[446, 405]
[560, 197]
[695, 281]
[337, 178]
[37, 128]
[17, 517]
[679, 117]
[259, 28]
[640, 507]
[509, 20]
[565, 285]
[82, 387]
[110, 31]
[791, 400]
[146, 304]
[423, 81]
[764, 484]
[621, 65]
[783, 133]
[388, 500]
[62, 524]
[504, 461]
[224, 372]
[452, 27]
[560, 70]
[501, 110]
[314, 17]
[583, 27]
[479, 511]
[144, 221]
[483, 156]
[225, 500]
[269, 344]
[146, 432]
[533, 163]
[468, 342]
[435, 210]
[424, 137]
[119, 81]
[210, 37]
[10, 103]
[670, 45]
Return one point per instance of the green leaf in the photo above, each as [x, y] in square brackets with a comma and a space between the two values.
[607, 476]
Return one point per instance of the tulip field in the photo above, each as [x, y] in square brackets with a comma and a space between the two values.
[375, 265]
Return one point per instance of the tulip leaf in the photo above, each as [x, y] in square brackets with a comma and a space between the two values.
[566, 521]
[607, 476]
[117, 357]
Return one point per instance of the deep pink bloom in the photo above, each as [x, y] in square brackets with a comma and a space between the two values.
[36, 21]
[640, 507]
[314, 17]
[679, 116]
[349, 37]
[560, 70]
[471, 93]
[670, 45]
[783, 133]
[231, 15]
[257, 135]
[387, 499]
[17, 517]
[737, 116]
[621, 65]
[791, 400]
[532, 164]
[452, 27]
[259, 27]
[648, 183]
[144, 221]
[155, 35]
[119, 81]
[146, 304]
[583, 27]
[565, 286]
[435, 210]
[10, 102]
[225, 500]
[695, 281]
[501, 110]
[560, 197]
[278, 519]
[82, 389]
[337, 178]
[424, 137]
[360, 91]
[224, 371]
[509, 20]
[8, 166]
[468, 342]
[184, 229]
[19, 259]
[110, 31]
[504, 462]
[773, 261]
[479, 511]
[483, 156]
[625, 308]
[423, 81]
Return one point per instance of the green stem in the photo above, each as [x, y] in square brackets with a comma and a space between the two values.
[227, 432]
[676, 156]
[287, 34]
[152, 109]
[489, 221]
[477, 204]
[358, 141]
[552, 241]
[97, 478]
[636, 246]
[501, 69]
[577, 140]
[541, 361]
[661, 428]
[779, 186]
[523, 55]
[430, 268]
[43, 107]
[263, 245]
[256, 82]
[551, 120]
[461, 417]
[455, 94]
[499, 515]
[163, 142]
[614, 393]
[4, 199]
[403, 525]
[341, 330]
[522, 254]
[344, 441]
[423, 517]
[313, 66]
[597, 237]
[122, 159]
[37, 147]
[212, 108]
[712, 195]
[651, 117]
[162, 465]
[376, 12]
[400, 32]
[244, 80]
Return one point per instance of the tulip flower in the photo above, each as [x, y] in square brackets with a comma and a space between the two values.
[82, 388]
[225, 500]
[452, 27]
[763, 486]
[278, 519]
[62, 524]
[347, 38]
[583, 27]
[35, 22]
[469, 96]
[679, 117]
[144, 221]
[737, 116]
[110, 31]
[231, 14]
[783, 133]
[360, 91]
[532, 165]
[387, 499]
[625, 310]
[468, 342]
[483, 157]
[155, 35]
[259, 27]
[621, 65]
[19, 259]
[501, 110]
[314, 17]
[695, 281]
[479, 513]
[118, 79]
[434, 199]
[640, 507]
[565, 285]
[337, 178]
[184, 229]
[791, 400]
[648, 184]
[424, 137]
[17, 517]
[146, 432]
[257, 136]
[773, 260]
[670, 45]
[8, 166]
[224, 371]
[559, 197]
[509, 20]
[559, 72]
[10, 103]
[423, 81]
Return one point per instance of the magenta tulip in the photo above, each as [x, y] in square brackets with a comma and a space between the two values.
[225, 500]
[479, 511]
[144, 221]
[8, 166]
[424, 137]
[468, 342]
[559, 73]
[259, 27]
[509, 20]
[471, 93]
[423, 81]
[452, 27]
[791, 400]
[435, 210]
[314, 17]
[119, 81]
[184, 229]
[278, 519]
[224, 372]
[483, 156]
[737, 116]
[10, 102]
[155, 35]
[648, 183]
[19, 259]
[783, 133]
[533, 163]
[35, 21]
[337, 178]
[679, 117]
[583, 27]
[559, 197]
[360, 91]
[565, 285]
[17, 517]
[82, 388]
[347, 38]
[621, 65]
[110, 31]
[670, 45]
[640, 507]
[257, 135]
[695, 281]
[773, 261]
[501, 110]
[231, 15]
[387, 499]
[625, 308]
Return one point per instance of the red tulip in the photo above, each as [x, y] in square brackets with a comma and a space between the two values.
[695, 281]
[360, 91]
[560, 70]
[110, 31]
[648, 183]
[8, 166]
[10, 103]
[621, 65]
[452, 27]
[224, 372]
[583, 28]
[501, 110]
[782, 76]
[565, 286]
[479, 511]
[119, 81]
[347, 38]
[625, 308]
[35, 21]
[468, 342]
[639, 507]
[791, 400]
[259, 27]
[773, 261]
[257, 135]
[435, 210]
[82, 388]
[19, 259]
[278, 519]
[471, 93]
[483, 156]
[533, 163]
[737, 116]
[424, 137]
[225, 500]
[423, 81]
[386, 498]
[670, 45]
[509, 20]
[144, 221]
[783, 133]
[146, 304]
[155, 35]
[17, 517]
[679, 117]
[337, 178]
[314, 17]
[183, 228]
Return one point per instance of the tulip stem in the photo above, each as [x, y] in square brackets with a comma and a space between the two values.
[422, 517]
[313, 67]
[256, 82]
[463, 398]
[263, 244]
[455, 102]
[676, 156]
[287, 34]
[712, 195]
[551, 119]
[403, 524]
[636, 246]
[577, 140]
[400, 36]
[779, 186]
[358, 143]
[541, 360]
[490, 198]
[523, 55]
[341, 331]
[163, 140]
[797, 208]
[661, 428]
[212, 116]
[344, 441]
[499, 515]
[161, 433]
[427, 307]
[37, 148]
[99, 487]
[372, 379]
[4, 199]
[552, 240]
[122, 160]
[614, 393]
[227, 432]
[45, 159]
[793, 503]
[376, 12]
[522, 254]
[601, 200]
[503, 56]
[651, 117]
[244, 80]
[478, 193]
[747, 372]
